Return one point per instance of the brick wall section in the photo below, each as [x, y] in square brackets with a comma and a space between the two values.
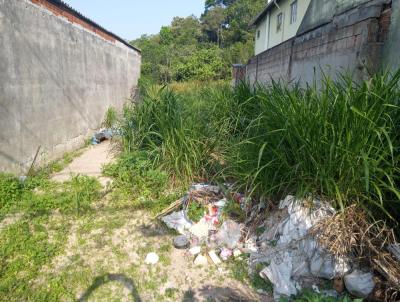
[73, 19]
[353, 42]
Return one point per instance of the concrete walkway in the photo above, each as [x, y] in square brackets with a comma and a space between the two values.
[89, 163]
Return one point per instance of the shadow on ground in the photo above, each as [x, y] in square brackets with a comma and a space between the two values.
[101, 280]
[216, 294]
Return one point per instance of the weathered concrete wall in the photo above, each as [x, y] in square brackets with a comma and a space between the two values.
[351, 43]
[56, 81]
[321, 12]
[392, 46]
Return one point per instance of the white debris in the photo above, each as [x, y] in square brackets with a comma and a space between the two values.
[291, 253]
[177, 221]
[279, 273]
[214, 257]
[195, 250]
[237, 253]
[151, 258]
[229, 234]
[359, 284]
[326, 266]
[201, 229]
[200, 260]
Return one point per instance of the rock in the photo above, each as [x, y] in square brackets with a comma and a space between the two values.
[214, 257]
[195, 250]
[151, 258]
[359, 284]
[200, 260]
[181, 242]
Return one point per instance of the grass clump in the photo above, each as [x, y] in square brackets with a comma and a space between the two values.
[310, 296]
[110, 117]
[339, 142]
[139, 184]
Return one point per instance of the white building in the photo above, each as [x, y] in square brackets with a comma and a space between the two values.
[278, 22]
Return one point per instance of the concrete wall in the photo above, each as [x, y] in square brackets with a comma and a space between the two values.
[320, 12]
[56, 81]
[353, 42]
[392, 47]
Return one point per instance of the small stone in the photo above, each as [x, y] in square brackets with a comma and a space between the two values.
[151, 258]
[181, 242]
[195, 250]
[214, 257]
[200, 260]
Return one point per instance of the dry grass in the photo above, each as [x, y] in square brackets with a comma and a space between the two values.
[349, 233]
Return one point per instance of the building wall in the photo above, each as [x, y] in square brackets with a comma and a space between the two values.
[353, 42]
[268, 27]
[57, 80]
[261, 36]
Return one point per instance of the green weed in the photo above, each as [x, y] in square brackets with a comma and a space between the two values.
[339, 142]
[110, 118]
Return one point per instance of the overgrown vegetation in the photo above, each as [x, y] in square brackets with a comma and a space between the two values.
[339, 142]
[204, 48]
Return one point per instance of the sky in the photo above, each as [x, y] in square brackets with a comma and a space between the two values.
[129, 19]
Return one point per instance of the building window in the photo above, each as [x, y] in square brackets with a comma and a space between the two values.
[258, 34]
[279, 21]
[293, 12]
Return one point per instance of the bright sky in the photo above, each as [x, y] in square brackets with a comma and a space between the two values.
[129, 19]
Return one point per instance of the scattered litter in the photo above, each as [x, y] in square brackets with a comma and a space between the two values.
[22, 179]
[177, 221]
[237, 253]
[195, 250]
[229, 234]
[214, 257]
[151, 258]
[200, 260]
[181, 242]
[201, 229]
[359, 284]
[225, 254]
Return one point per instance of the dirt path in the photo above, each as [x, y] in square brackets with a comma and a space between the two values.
[89, 163]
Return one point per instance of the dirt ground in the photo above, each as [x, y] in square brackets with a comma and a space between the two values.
[104, 255]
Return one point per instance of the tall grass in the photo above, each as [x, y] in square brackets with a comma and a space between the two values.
[339, 142]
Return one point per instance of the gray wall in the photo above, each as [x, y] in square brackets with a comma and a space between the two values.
[56, 82]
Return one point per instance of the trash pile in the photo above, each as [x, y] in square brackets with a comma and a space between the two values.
[221, 237]
[282, 243]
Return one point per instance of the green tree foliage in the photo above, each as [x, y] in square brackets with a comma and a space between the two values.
[202, 48]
